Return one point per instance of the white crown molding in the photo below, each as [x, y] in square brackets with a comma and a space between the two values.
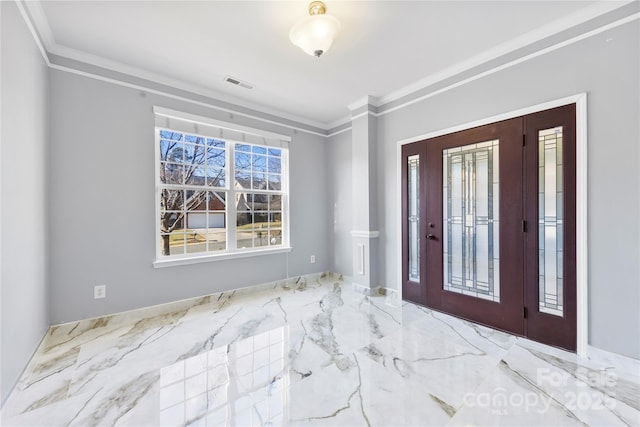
[386, 99]
[554, 27]
[364, 113]
[365, 100]
[338, 132]
[339, 122]
[232, 112]
[119, 67]
[535, 54]
[37, 36]
[36, 20]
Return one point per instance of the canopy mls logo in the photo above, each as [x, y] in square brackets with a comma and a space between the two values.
[581, 390]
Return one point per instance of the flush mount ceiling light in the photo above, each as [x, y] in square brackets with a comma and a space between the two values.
[314, 34]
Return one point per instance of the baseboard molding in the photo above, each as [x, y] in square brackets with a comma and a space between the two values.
[24, 368]
[124, 317]
[392, 296]
[624, 364]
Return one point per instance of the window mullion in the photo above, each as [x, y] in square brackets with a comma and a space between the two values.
[284, 187]
[231, 199]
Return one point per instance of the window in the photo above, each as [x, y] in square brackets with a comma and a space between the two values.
[218, 195]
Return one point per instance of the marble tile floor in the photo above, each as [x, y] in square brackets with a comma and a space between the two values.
[316, 353]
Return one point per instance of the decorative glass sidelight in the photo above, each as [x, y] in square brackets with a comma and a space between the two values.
[471, 220]
[414, 218]
[550, 219]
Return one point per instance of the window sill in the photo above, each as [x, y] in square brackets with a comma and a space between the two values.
[172, 262]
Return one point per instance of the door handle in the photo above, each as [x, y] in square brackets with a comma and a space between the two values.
[431, 237]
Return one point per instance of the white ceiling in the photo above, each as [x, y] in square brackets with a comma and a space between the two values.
[384, 49]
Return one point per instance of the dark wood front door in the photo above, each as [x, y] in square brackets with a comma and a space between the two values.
[489, 225]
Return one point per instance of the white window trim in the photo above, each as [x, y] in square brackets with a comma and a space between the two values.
[186, 117]
[232, 252]
[208, 257]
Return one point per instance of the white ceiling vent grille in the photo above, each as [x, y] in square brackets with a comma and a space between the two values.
[237, 82]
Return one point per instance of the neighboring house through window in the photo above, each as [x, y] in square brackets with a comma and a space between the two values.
[221, 189]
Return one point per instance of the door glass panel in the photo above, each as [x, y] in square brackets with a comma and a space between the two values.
[470, 213]
[550, 198]
[414, 217]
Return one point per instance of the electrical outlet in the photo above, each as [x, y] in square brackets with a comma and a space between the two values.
[313, 259]
[99, 291]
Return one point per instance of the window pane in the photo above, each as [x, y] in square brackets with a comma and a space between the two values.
[175, 152]
[413, 220]
[260, 202]
[261, 237]
[216, 201]
[243, 161]
[243, 179]
[470, 220]
[195, 200]
[171, 173]
[215, 143]
[170, 221]
[244, 230]
[167, 147]
[194, 175]
[243, 147]
[171, 200]
[275, 165]
[196, 221]
[217, 236]
[175, 242]
[260, 219]
[257, 149]
[216, 157]
[194, 154]
[276, 152]
[275, 202]
[216, 221]
[244, 202]
[550, 197]
[196, 240]
[275, 237]
[259, 163]
[167, 134]
[215, 177]
[244, 220]
[259, 181]
[275, 182]
[275, 219]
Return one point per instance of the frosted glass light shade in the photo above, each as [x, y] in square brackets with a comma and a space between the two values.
[315, 33]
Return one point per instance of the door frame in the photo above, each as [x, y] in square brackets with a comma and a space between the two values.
[581, 199]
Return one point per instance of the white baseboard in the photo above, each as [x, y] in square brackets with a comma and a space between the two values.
[624, 365]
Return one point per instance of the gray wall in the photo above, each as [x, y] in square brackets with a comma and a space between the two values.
[102, 211]
[341, 203]
[606, 66]
[23, 225]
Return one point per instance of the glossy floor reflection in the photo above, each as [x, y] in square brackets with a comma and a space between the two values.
[316, 353]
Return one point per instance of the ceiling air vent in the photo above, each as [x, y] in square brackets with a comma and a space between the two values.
[237, 82]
